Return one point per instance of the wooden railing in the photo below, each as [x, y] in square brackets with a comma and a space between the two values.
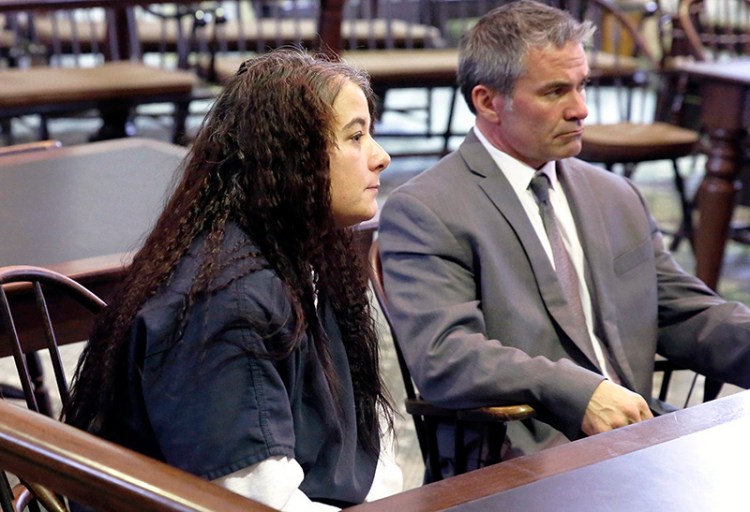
[100, 474]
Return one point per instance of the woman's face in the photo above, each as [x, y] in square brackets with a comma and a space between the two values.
[356, 159]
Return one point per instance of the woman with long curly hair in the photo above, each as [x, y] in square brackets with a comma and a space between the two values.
[240, 346]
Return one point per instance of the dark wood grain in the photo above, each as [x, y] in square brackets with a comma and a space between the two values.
[101, 474]
[725, 115]
[543, 466]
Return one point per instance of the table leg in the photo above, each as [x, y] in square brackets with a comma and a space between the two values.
[722, 116]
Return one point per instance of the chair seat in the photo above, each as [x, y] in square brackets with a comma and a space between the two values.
[632, 142]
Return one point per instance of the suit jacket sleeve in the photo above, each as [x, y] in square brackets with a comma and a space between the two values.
[432, 284]
[699, 329]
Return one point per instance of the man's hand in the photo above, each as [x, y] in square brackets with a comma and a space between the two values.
[612, 406]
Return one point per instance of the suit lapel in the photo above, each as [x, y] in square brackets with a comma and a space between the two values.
[501, 193]
[597, 250]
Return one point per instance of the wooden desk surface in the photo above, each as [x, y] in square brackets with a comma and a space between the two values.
[79, 202]
[79, 210]
[692, 460]
[735, 70]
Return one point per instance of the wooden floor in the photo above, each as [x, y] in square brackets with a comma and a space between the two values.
[654, 180]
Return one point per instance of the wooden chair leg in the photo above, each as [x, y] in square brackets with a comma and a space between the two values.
[711, 389]
[6, 494]
[494, 438]
[12, 392]
[685, 229]
[41, 393]
[179, 128]
[434, 469]
[449, 123]
[460, 457]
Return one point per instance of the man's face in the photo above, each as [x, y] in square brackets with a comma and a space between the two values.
[544, 120]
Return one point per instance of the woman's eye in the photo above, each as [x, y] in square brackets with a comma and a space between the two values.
[357, 136]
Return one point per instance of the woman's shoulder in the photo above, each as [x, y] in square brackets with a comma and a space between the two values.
[243, 282]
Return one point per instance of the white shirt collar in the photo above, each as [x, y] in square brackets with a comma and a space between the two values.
[516, 172]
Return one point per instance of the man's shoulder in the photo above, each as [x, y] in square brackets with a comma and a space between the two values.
[437, 180]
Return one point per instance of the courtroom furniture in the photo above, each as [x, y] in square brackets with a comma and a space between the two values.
[70, 296]
[68, 69]
[719, 32]
[33, 361]
[426, 416]
[687, 460]
[100, 474]
[725, 117]
[427, 68]
[84, 210]
[627, 74]
[55, 296]
[84, 201]
[387, 38]
[715, 29]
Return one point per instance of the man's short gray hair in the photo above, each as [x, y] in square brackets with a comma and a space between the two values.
[493, 51]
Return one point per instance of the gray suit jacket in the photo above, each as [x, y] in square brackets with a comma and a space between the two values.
[482, 316]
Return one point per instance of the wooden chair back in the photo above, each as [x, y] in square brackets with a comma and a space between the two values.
[716, 29]
[26, 294]
[52, 459]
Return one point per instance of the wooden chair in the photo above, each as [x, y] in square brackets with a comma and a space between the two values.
[32, 290]
[626, 73]
[33, 361]
[426, 416]
[43, 297]
[715, 30]
[47, 455]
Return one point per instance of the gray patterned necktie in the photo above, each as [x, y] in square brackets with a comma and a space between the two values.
[566, 272]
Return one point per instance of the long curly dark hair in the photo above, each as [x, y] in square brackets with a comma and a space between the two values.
[260, 160]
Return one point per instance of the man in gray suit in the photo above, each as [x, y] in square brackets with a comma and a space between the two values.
[473, 274]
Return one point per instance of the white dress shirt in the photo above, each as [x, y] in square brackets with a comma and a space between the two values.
[519, 175]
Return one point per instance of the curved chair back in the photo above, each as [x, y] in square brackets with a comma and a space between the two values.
[34, 290]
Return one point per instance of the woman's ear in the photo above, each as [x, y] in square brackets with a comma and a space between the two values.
[488, 104]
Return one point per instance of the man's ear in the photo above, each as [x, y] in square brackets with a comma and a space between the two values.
[488, 103]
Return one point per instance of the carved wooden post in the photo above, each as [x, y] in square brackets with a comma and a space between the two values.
[723, 114]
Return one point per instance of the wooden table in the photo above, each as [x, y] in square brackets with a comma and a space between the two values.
[81, 210]
[725, 114]
[84, 201]
[692, 460]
